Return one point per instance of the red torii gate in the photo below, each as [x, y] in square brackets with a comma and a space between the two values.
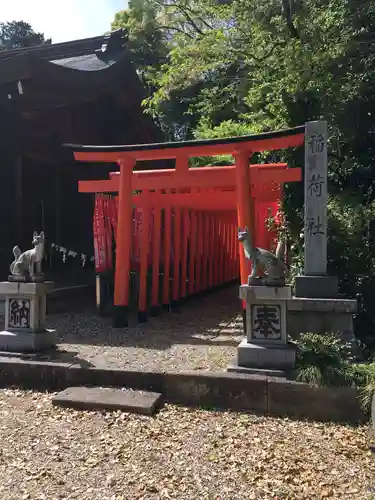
[202, 202]
[240, 177]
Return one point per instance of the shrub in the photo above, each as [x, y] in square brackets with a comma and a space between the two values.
[323, 360]
[364, 375]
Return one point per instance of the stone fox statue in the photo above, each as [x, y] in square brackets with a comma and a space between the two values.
[26, 263]
[273, 264]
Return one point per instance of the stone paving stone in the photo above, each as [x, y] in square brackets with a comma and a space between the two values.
[101, 398]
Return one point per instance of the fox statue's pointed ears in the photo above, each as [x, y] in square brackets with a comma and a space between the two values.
[35, 234]
[244, 231]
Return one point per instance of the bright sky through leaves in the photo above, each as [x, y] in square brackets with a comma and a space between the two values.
[63, 20]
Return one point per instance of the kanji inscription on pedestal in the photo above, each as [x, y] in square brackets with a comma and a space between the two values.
[266, 346]
[19, 313]
[25, 312]
[266, 322]
[316, 198]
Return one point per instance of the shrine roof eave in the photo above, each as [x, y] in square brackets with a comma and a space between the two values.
[87, 63]
[82, 72]
[280, 139]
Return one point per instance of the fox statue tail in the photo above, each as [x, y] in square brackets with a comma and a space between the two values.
[16, 252]
[280, 252]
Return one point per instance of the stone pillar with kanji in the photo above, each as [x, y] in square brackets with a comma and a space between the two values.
[317, 306]
[25, 317]
[315, 282]
[266, 348]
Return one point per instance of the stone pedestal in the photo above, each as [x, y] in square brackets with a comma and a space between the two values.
[319, 315]
[324, 287]
[266, 348]
[25, 317]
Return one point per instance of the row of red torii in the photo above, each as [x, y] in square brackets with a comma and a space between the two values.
[208, 205]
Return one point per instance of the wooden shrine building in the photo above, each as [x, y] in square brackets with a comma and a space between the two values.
[84, 91]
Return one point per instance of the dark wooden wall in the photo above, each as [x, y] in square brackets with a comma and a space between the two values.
[39, 178]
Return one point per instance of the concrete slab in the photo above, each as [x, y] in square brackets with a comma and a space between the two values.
[103, 398]
[257, 394]
[256, 371]
[317, 305]
[26, 341]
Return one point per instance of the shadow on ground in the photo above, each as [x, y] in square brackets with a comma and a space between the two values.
[57, 356]
[214, 319]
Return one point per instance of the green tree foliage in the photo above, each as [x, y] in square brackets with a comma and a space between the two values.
[18, 34]
[146, 42]
[231, 67]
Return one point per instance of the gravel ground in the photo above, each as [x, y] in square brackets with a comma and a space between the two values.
[203, 336]
[50, 453]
